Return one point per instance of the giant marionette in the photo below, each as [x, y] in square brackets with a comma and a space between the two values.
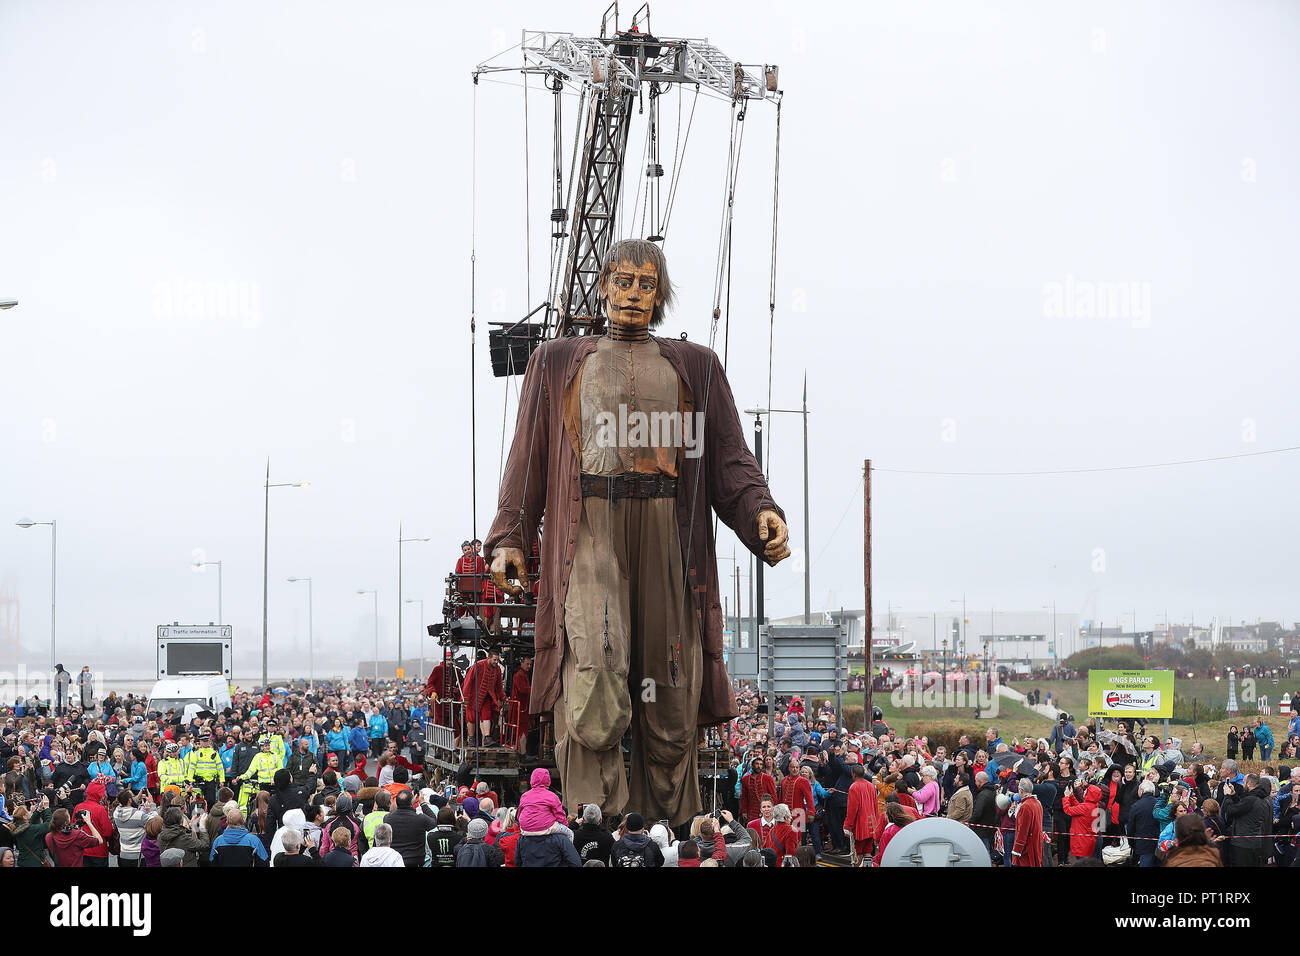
[627, 442]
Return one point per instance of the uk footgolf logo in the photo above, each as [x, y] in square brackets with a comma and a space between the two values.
[1132, 700]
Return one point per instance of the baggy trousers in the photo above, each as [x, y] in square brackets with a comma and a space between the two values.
[632, 661]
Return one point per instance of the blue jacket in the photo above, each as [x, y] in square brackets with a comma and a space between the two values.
[1264, 736]
[227, 755]
[1143, 827]
[819, 795]
[337, 740]
[359, 739]
[553, 849]
[238, 836]
[378, 726]
[139, 776]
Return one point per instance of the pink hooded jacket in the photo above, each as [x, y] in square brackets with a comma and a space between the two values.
[540, 808]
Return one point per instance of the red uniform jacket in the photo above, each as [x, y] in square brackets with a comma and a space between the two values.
[1029, 834]
[444, 682]
[484, 689]
[796, 793]
[521, 688]
[863, 817]
[782, 839]
[752, 788]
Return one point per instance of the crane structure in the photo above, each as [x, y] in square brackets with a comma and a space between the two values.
[610, 73]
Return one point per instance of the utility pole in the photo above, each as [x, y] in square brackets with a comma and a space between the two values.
[866, 576]
[758, 598]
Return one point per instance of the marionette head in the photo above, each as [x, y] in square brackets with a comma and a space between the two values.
[634, 285]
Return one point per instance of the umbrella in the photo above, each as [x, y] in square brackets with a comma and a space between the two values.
[1108, 737]
[910, 672]
[956, 675]
[931, 674]
[195, 710]
[1018, 763]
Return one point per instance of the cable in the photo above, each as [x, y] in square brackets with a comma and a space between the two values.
[528, 208]
[1082, 471]
[771, 283]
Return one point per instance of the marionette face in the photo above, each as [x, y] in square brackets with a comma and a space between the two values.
[631, 294]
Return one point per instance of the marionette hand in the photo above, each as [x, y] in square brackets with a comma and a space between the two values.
[503, 559]
[772, 530]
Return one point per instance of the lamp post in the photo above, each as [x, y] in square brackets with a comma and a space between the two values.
[376, 596]
[807, 554]
[266, 535]
[420, 601]
[311, 646]
[198, 569]
[1055, 637]
[54, 560]
[401, 541]
[964, 622]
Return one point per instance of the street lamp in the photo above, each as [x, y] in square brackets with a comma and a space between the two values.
[420, 601]
[266, 533]
[964, 622]
[807, 554]
[1055, 637]
[401, 541]
[54, 559]
[198, 569]
[376, 595]
[311, 649]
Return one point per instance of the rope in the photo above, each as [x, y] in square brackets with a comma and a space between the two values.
[677, 169]
[473, 311]
[528, 207]
[771, 284]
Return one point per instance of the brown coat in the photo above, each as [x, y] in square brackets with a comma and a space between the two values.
[542, 477]
[1194, 856]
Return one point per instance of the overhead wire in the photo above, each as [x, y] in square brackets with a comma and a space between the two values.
[1083, 471]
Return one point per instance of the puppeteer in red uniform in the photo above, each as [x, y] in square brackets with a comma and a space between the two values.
[521, 689]
[444, 684]
[484, 690]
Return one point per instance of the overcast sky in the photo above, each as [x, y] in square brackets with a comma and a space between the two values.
[1013, 237]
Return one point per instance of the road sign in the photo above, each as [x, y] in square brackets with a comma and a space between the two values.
[1147, 694]
[188, 650]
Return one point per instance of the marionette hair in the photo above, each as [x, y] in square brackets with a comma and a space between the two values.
[635, 252]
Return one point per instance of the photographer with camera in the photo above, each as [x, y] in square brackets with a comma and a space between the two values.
[66, 843]
[98, 821]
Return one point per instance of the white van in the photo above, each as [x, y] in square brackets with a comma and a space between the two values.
[173, 693]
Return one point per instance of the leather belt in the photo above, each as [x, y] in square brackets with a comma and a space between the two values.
[614, 487]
